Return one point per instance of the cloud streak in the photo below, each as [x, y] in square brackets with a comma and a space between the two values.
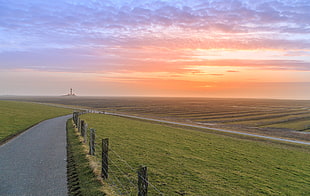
[80, 23]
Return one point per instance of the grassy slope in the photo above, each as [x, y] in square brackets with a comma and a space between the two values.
[199, 163]
[18, 116]
[81, 179]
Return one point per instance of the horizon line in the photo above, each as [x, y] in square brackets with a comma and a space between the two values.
[153, 96]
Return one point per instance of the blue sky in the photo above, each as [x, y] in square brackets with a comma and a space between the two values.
[121, 44]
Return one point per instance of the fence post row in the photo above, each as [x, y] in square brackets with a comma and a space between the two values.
[105, 166]
[82, 127]
[142, 181]
[92, 141]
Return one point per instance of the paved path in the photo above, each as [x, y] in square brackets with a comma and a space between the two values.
[216, 129]
[34, 163]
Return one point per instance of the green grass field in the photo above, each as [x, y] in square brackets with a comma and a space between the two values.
[18, 116]
[192, 162]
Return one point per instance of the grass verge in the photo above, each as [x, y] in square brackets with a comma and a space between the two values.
[189, 162]
[16, 117]
[81, 178]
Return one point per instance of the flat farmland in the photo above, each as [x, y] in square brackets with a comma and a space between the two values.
[282, 118]
[184, 161]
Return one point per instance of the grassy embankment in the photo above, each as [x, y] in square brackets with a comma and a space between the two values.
[190, 162]
[81, 179]
[16, 117]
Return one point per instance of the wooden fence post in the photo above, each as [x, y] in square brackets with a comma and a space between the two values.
[75, 116]
[105, 166]
[85, 132]
[82, 127]
[79, 124]
[142, 181]
[92, 141]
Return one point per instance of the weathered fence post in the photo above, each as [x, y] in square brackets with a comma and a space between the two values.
[75, 117]
[92, 138]
[105, 166]
[79, 124]
[85, 132]
[142, 181]
[82, 127]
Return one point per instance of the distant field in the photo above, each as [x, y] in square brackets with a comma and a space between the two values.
[281, 118]
[191, 162]
[17, 116]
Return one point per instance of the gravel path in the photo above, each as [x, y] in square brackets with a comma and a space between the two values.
[34, 163]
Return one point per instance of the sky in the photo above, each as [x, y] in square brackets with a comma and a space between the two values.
[187, 48]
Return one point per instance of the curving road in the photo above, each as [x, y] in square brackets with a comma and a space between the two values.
[34, 163]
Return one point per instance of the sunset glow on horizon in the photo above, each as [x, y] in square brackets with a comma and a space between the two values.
[213, 48]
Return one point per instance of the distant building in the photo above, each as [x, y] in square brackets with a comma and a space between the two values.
[70, 94]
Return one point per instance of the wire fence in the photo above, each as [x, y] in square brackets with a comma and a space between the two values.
[121, 176]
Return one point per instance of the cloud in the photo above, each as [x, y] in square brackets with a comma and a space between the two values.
[80, 17]
[131, 60]
[289, 65]
[298, 53]
[215, 74]
[148, 35]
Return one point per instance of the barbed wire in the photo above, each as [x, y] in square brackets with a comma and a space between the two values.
[120, 158]
[123, 189]
[121, 171]
[156, 189]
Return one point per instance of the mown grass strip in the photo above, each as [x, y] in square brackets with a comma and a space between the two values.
[189, 162]
[298, 124]
[16, 117]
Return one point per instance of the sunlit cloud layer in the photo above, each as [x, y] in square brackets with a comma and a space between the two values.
[179, 40]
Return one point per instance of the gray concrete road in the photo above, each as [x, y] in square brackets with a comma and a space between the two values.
[34, 163]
